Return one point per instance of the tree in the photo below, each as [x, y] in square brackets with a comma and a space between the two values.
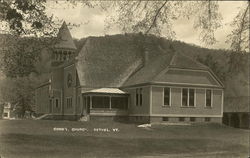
[19, 92]
[152, 16]
[25, 17]
[20, 56]
[27, 32]
[209, 61]
[239, 37]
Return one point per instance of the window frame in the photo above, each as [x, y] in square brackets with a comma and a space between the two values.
[164, 96]
[192, 119]
[138, 96]
[166, 119]
[188, 90]
[181, 119]
[69, 100]
[58, 105]
[7, 114]
[182, 97]
[210, 97]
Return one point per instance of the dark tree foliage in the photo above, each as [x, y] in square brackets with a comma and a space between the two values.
[19, 92]
[25, 17]
[20, 56]
[27, 32]
[237, 62]
[157, 17]
[211, 62]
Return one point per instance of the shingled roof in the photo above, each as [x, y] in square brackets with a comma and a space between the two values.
[109, 61]
[119, 61]
[65, 40]
[159, 67]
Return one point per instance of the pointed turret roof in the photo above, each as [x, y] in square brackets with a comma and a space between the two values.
[64, 38]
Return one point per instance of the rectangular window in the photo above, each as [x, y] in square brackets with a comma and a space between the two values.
[165, 119]
[192, 119]
[188, 97]
[100, 102]
[208, 98]
[184, 97]
[57, 103]
[138, 97]
[167, 96]
[69, 102]
[5, 114]
[181, 119]
[191, 97]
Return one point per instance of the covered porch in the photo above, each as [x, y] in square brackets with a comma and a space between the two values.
[105, 102]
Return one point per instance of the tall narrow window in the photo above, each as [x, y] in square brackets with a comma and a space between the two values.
[167, 96]
[191, 97]
[184, 97]
[69, 102]
[208, 98]
[140, 96]
[57, 103]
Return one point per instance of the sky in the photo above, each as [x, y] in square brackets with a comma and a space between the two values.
[92, 22]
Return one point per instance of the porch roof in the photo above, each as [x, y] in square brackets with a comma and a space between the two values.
[106, 91]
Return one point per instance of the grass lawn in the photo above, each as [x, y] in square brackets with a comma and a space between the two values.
[43, 139]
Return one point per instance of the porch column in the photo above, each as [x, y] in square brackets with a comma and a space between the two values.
[109, 102]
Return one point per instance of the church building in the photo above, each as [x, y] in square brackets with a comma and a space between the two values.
[127, 77]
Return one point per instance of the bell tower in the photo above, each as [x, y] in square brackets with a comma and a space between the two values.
[64, 48]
